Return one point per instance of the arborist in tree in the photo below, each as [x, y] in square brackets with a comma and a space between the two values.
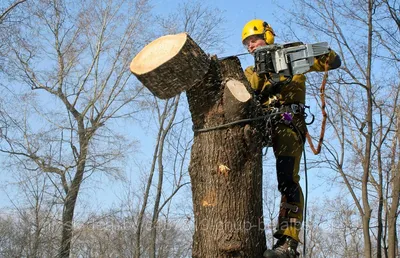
[285, 132]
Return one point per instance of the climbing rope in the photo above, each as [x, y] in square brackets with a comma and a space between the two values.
[324, 115]
[305, 204]
[247, 120]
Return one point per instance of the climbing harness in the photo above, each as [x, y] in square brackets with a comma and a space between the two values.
[259, 109]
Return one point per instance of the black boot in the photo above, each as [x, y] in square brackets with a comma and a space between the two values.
[285, 247]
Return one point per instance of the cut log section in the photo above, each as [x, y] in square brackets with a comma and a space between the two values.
[170, 65]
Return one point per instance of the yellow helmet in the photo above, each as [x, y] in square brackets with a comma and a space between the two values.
[258, 27]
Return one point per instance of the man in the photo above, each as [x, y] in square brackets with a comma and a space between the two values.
[287, 133]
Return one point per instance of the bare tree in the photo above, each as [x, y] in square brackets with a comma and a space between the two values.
[205, 24]
[108, 234]
[166, 117]
[39, 215]
[33, 217]
[76, 57]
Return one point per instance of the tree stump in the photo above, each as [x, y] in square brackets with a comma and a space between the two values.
[170, 65]
[226, 163]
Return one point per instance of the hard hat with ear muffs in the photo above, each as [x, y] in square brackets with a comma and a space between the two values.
[258, 27]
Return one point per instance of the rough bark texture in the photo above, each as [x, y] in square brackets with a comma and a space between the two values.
[179, 73]
[225, 169]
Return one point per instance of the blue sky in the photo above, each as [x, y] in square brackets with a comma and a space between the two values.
[237, 14]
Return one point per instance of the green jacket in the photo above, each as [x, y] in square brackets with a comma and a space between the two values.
[293, 92]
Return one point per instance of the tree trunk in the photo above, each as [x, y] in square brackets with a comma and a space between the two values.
[146, 194]
[160, 156]
[225, 169]
[366, 217]
[70, 201]
[226, 163]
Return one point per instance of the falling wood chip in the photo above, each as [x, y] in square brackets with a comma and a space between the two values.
[222, 169]
[210, 199]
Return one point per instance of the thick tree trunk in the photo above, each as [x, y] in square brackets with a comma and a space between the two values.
[226, 163]
[225, 168]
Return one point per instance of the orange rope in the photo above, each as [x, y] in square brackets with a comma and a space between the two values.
[324, 115]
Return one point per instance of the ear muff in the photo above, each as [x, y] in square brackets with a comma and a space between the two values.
[269, 35]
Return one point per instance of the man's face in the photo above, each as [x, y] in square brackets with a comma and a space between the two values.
[254, 41]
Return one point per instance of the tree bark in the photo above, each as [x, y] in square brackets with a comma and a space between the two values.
[71, 198]
[225, 168]
[366, 217]
[226, 163]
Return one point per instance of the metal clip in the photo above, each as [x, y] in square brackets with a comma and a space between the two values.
[297, 108]
[292, 207]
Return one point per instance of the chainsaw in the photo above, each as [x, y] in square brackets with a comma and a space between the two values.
[287, 60]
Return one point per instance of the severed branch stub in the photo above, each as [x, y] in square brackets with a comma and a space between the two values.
[170, 65]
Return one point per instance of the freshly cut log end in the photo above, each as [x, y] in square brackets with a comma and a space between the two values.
[238, 90]
[170, 65]
[157, 53]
